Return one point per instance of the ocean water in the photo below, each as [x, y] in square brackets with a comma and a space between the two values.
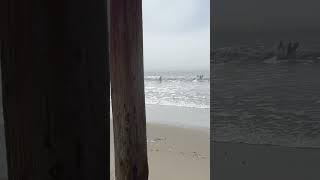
[178, 88]
[260, 103]
[180, 99]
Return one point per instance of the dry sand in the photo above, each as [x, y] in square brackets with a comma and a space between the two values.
[232, 161]
[175, 153]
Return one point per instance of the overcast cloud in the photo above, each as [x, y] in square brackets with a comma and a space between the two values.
[176, 34]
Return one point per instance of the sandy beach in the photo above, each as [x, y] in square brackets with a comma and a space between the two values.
[175, 153]
[233, 161]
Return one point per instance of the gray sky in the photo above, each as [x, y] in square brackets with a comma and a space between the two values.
[176, 34]
[265, 15]
[264, 21]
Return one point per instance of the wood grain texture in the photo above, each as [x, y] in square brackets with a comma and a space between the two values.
[127, 83]
[56, 90]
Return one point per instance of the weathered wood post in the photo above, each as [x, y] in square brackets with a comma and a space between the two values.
[127, 90]
[56, 90]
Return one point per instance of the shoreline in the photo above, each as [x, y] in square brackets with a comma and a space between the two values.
[187, 128]
[178, 116]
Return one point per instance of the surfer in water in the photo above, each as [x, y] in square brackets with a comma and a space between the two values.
[160, 79]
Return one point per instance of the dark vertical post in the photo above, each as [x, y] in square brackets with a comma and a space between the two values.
[56, 90]
[127, 90]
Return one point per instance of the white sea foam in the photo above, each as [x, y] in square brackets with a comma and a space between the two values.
[183, 89]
